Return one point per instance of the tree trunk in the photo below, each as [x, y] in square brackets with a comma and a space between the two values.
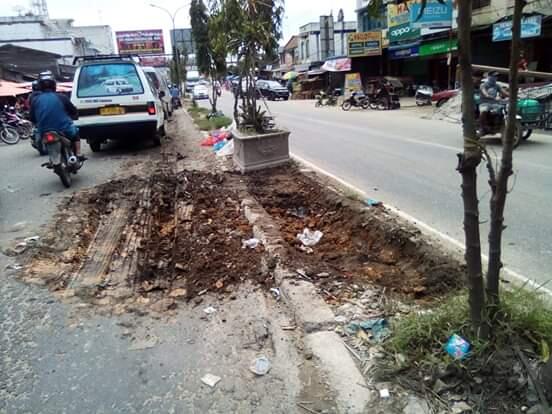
[500, 187]
[236, 100]
[467, 166]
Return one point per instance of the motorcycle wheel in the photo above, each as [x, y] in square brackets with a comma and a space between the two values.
[383, 104]
[365, 104]
[526, 133]
[317, 105]
[420, 103]
[25, 131]
[346, 106]
[373, 105]
[63, 173]
[518, 135]
[9, 135]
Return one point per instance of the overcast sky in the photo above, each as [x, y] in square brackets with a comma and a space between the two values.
[137, 14]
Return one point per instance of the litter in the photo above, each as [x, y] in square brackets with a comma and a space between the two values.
[373, 203]
[219, 145]
[14, 266]
[211, 380]
[341, 319]
[457, 347]
[384, 393]
[378, 327]
[276, 293]
[32, 240]
[251, 243]
[227, 150]
[209, 310]
[260, 366]
[310, 238]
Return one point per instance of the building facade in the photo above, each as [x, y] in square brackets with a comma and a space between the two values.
[325, 39]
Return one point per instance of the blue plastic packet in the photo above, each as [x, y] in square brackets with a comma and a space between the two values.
[457, 347]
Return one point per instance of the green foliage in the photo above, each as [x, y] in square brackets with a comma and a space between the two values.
[524, 316]
[199, 115]
[200, 31]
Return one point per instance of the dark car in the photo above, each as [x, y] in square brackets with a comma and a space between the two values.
[272, 90]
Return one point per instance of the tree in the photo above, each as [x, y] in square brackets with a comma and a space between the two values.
[208, 33]
[252, 29]
[178, 70]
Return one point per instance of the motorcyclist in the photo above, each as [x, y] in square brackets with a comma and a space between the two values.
[51, 111]
[491, 92]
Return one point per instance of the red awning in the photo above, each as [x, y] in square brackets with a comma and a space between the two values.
[12, 89]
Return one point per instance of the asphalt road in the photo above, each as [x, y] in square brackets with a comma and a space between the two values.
[410, 163]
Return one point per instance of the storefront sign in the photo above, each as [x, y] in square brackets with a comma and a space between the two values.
[397, 14]
[403, 32]
[353, 83]
[530, 27]
[141, 42]
[435, 15]
[337, 65]
[364, 44]
[438, 47]
[404, 53]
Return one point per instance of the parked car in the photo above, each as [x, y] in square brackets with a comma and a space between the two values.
[129, 108]
[192, 79]
[443, 96]
[272, 90]
[200, 92]
[161, 85]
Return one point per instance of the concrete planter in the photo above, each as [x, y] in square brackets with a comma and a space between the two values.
[258, 151]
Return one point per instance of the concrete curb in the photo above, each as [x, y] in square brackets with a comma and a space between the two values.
[314, 316]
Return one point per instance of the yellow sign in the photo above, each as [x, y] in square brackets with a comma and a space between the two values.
[353, 83]
[397, 14]
[364, 44]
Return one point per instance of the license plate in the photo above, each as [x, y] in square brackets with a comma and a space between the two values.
[112, 110]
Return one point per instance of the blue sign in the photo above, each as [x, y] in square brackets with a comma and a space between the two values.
[530, 27]
[404, 53]
[435, 15]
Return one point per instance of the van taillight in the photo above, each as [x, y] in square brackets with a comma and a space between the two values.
[151, 108]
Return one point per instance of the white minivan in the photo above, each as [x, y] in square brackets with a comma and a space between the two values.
[116, 101]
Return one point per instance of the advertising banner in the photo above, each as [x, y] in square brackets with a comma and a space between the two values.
[435, 15]
[530, 27]
[364, 44]
[403, 32]
[404, 53]
[438, 47]
[337, 65]
[141, 42]
[353, 83]
[397, 14]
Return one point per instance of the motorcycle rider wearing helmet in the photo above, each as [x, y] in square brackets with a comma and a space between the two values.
[491, 91]
[51, 111]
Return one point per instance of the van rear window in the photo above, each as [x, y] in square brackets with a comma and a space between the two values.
[109, 79]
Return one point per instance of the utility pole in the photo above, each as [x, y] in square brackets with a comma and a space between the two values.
[176, 54]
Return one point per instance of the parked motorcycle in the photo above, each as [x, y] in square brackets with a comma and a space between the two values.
[8, 134]
[63, 160]
[424, 94]
[324, 99]
[358, 100]
[14, 120]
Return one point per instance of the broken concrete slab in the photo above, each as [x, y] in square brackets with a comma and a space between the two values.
[344, 376]
[309, 308]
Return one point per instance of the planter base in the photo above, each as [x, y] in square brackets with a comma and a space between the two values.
[257, 152]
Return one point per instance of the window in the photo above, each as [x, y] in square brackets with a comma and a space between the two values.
[479, 4]
[109, 79]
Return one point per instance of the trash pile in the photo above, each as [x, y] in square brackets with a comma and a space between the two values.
[221, 141]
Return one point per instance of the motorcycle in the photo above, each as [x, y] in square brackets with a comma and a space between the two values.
[497, 117]
[423, 95]
[14, 120]
[8, 134]
[358, 100]
[324, 99]
[63, 160]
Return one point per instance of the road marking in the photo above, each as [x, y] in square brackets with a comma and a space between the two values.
[510, 274]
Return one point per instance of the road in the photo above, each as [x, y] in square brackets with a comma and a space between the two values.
[410, 163]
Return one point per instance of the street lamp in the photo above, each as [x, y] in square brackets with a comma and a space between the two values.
[176, 57]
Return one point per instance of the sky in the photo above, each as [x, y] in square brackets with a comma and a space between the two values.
[138, 14]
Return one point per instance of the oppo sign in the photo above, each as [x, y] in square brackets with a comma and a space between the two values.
[403, 32]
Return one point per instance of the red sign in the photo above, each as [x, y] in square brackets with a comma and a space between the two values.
[141, 42]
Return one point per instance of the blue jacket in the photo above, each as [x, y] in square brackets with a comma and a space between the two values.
[52, 112]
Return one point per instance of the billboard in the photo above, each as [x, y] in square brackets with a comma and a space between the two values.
[435, 15]
[141, 42]
[531, 26]
[364, 44]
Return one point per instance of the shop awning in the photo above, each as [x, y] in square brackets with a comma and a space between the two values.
[316, 72]
[337, 65]
[11, 89]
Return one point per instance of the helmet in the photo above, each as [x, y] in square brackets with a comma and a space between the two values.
[46, 81]
[35, 86]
